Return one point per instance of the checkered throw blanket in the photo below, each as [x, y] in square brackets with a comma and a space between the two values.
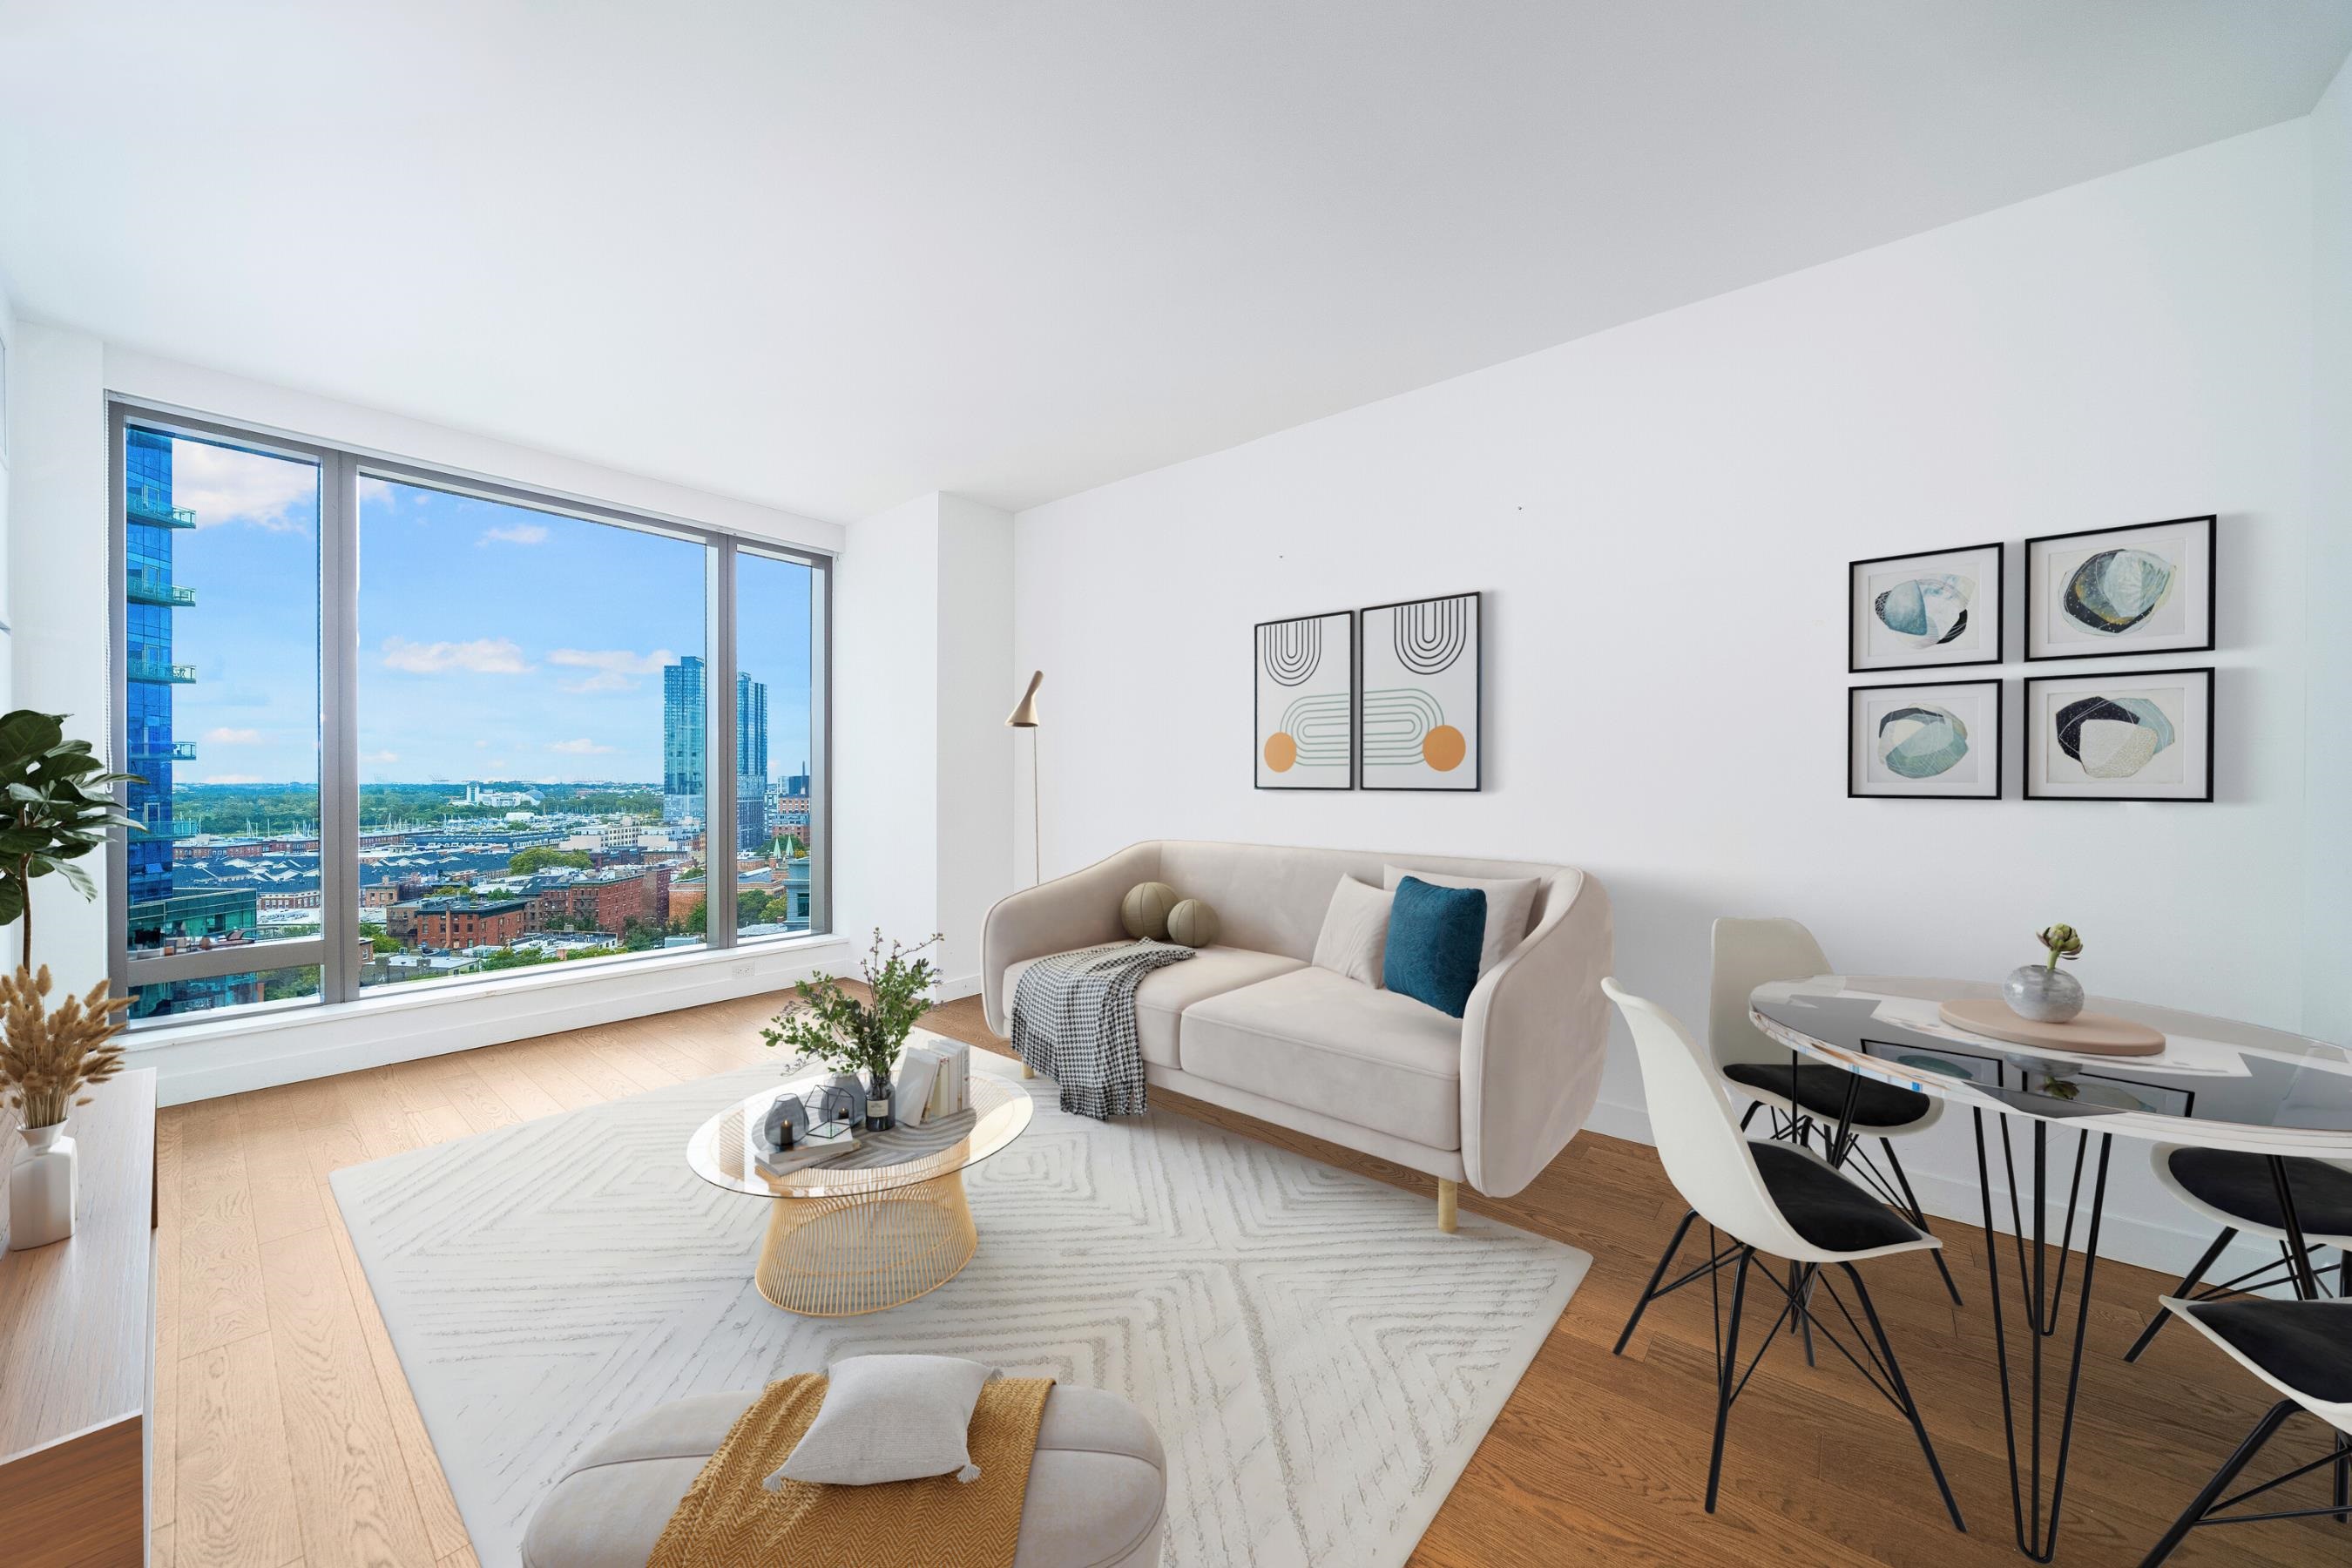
[1073, 1020]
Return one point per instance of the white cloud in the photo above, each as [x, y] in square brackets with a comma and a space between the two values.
[228, 737]
[224, 486]
[379, 758]
[483, 655]
[514, 533]
[232, 779]
[583, 747]
[616, 668]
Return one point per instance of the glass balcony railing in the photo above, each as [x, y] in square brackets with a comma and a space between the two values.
[163, 751]
[146, 587]
[151, 504]
[156, 672]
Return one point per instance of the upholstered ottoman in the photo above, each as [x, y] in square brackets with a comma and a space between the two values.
[1095, 1491]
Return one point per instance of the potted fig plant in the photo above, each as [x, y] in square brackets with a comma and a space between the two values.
[2044, 992]
[849, 1036]
[56, 804]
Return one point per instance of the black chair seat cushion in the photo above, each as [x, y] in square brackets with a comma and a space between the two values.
[1824, 1207]
[2306, 1345]
[2239, 1185]
[1821, 1090]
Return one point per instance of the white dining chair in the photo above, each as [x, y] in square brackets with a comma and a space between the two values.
[1770, 1197]
[1807, 1098]
[2236, 1190]
[2304, 1351]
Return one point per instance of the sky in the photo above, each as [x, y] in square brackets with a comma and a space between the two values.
[496, 642]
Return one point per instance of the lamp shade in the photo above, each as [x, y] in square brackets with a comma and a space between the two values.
[1024, 712]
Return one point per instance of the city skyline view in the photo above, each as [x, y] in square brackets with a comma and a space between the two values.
[498, 643]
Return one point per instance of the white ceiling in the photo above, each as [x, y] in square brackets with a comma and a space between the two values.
[828, 256]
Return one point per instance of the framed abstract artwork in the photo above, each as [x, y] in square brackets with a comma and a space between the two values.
[1305, 712]
[1934, 609]
[1931, 739]
[2106, 592]
[1423, 695]
[2146, 735]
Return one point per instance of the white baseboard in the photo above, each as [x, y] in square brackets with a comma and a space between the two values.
[2126, 1237]
[204, 1059]
[955, 990]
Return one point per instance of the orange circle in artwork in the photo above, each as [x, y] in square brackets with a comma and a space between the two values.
[1443, 748]
[1281, 751]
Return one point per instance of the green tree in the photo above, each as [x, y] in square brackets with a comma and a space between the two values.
[540, 858]
[636, 936]
[384, 943]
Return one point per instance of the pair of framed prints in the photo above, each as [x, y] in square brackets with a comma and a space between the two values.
[2106, 593]
[1391, 697]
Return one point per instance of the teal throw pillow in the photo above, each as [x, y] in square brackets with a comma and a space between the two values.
[1434, 935]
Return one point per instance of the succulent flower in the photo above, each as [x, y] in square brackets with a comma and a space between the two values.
[2062, 940]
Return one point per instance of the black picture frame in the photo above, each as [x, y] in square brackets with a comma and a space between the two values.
[1478, 679]
[2036, 592]
[2212, 734]
[1355, 717]
[1853, 659]
[1854, 695]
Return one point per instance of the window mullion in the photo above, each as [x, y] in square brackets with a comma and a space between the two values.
[339, 740]
[718, 775]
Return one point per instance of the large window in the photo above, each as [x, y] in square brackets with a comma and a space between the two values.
[394, 726]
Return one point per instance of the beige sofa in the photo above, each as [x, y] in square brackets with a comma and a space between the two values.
[1249, 1024]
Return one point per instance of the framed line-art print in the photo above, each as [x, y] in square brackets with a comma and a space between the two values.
[2144, 734]
[1305, 706]
[1929, 609]
[2104, 592]
[1925, 740]
[1422, 710]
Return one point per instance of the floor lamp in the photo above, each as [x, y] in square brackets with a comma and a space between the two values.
[1025, 717]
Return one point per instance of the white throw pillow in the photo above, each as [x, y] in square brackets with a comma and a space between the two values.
[1509, 903]
[890, 1418]
[1355, 937]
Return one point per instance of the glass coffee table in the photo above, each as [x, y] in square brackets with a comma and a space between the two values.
[880, 1225]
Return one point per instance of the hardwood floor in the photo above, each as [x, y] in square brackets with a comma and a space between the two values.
[287, 1436]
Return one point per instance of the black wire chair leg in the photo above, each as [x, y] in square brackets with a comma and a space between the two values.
[2195, 1512]
[2189, 1282]
[1656, 1274]
[1919, 1216]
[1910, 1405]
[1728, 1375]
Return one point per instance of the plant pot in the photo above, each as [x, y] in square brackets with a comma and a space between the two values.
[879, 1113]
[43, 1186]
[2044, 994]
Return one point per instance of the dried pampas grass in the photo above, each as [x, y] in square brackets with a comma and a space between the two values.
[47, 1059]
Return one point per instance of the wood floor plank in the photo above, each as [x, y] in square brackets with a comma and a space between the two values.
[351, 1488]
[159, 1541]
[163, 1490]
[236, 1483]
[220, 1297]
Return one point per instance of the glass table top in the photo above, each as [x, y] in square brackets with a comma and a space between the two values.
[721, 1153]
[2217, 1082]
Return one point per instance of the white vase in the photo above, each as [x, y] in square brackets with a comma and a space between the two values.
[42, 1188]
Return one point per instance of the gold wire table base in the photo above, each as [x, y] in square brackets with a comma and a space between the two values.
[865, 1252]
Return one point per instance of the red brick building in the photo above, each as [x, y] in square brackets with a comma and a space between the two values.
[471, 922]
[606, 904]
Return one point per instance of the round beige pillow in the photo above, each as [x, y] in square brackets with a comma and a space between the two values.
[1144, 911]
[1193, 923]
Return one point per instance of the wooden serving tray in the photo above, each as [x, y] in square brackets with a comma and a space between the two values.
[2085, 1034]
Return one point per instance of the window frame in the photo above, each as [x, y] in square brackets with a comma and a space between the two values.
[335, 949]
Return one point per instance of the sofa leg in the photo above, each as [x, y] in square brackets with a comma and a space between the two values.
[1028, 1071]
[1448, 1194]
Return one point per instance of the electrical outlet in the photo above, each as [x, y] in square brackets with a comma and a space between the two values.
[741, 971]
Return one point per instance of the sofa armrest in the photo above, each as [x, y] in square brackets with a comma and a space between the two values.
[1080, 910]
[1533, 1039]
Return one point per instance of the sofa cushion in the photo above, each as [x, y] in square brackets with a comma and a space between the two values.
[1510, 906]
[1096, 1486]
[1166, 993]
[1355, 937]
[1433, 948]
[1316, 1040]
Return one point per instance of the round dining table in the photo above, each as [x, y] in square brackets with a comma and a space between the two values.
[2215, 1083]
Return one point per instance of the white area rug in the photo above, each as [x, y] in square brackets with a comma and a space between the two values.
[1319, 1360]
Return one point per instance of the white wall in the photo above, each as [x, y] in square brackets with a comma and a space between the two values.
[924, 630]
[7, 618]
[1661, 518]
[57, 551]
[2327, 903]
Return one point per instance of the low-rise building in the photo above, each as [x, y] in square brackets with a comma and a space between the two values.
[608, 901]
[456, 923]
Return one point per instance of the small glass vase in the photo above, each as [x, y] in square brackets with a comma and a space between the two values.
[43, 1186]
[2044, 994]
[878, 1118]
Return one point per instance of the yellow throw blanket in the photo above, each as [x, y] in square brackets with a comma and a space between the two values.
[728, 1521]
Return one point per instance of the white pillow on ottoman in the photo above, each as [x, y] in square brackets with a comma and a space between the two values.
[1355, 936]
[1510, 902]
[890, 1419]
